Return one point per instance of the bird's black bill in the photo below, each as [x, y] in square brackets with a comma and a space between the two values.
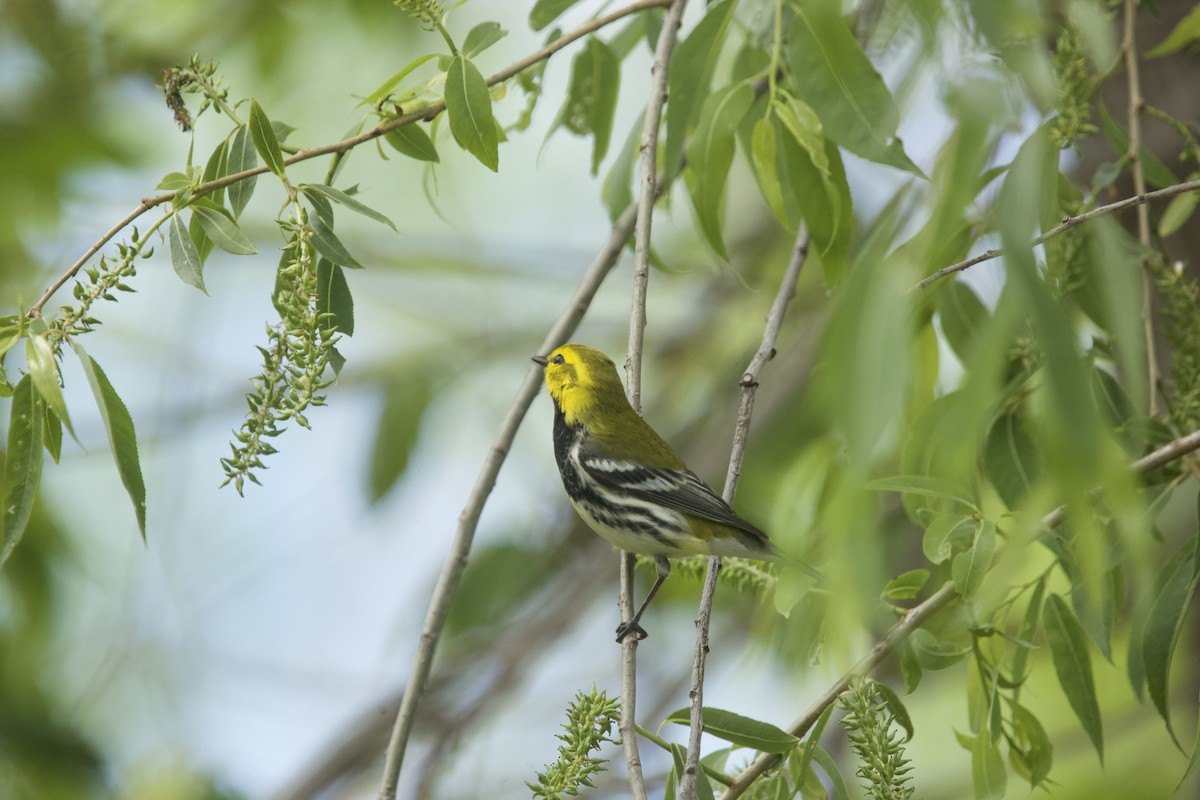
[539, 360]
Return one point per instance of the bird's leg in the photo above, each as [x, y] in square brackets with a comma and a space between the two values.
[663, 566]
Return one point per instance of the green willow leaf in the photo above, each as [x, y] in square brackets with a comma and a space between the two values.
[922, 485]
[333, 297]
[1035, 748]
[906, 585]
[809, 748]
[737, 729]
[592, 97]
[1185, 32]
[185, 258]
[690, 76]
[970, 568]
[617, 191]
[1029, 626]
[710, 155]
[414, 142]
[764, 159]
[987, 769]
[827, 763]
[1179, 210]
[223, 231]
[52, 434]
[39, 360]
[1073, 664]
[240, 158]
[22, 463]
[404, 404]
[824, 202]
[1175, 587]
[265, 141]
[833, 75]
[122, 438]
[943, 532]
[1194, 761]
[546, 11]
[217, 167]
[343, 199]
[896, 706]
[963, 317]
[469, 107]
[1011, 459]
[481, 37]
[331, 246]
[376, 97]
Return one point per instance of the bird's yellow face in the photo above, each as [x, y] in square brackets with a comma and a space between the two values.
[577, 376]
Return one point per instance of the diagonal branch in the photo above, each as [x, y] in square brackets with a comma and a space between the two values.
[425, 113]
[749, 383]
[456, 559]
[648, 193]
[916, 616]
[1136, 200]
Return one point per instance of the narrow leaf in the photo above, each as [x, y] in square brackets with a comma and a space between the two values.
[184, 256]
[330, 246]
[376, 97]
[333, 297]
[1011, 459]
[1175, 586]
[341, 198]
[1185, 32]
[827, 763]
[217, 167]
[52, 434]
[22, 463]
[737, 729]
[122, 438]
[617, 191]
[1194, 760]
[481, 37]
[241, 157]
[835, 77]
[469, 107]
[710, 155]
[963, 317]
[39, 358]
[906, 585]
[763, 157]
[546, 11]
[592, 97]
[1073, 664]
[414, 142]
[987, 769]
[970, 568]
[690, 76]
[1179, 210]
[896, 706]
[922, 485]
[223, 231]
[812, 740]
[264, 139]
[404, 404]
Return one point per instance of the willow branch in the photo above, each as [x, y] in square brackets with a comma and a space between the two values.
[741, 431]
[1136, 200]
[916, 616]
[648, 193]
[426, 112]
[1134, 156]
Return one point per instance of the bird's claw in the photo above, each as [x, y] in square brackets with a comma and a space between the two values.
[626, 628]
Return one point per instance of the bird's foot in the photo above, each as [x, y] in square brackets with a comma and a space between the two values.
[626, 628]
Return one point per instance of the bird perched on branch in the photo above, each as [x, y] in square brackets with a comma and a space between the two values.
[626, 483]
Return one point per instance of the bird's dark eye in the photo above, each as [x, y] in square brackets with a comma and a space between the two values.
[558, 359]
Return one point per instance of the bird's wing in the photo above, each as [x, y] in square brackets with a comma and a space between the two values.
[680, 489]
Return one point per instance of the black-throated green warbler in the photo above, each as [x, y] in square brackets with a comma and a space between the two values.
[626, 483]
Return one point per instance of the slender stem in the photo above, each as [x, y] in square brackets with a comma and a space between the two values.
[427, 112]
[648, 194]
[1067, 223]
[1134, 156]
[468, 520]
[916, 616]
[749, 384]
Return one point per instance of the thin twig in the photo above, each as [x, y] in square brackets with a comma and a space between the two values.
[456, 559]
[749, 384]
[917, 615]
[426, 112]
[1067, 223]
[648, 194]
[1134, 156]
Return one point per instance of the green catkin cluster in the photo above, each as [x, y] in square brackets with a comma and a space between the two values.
[590, 720]
[1075, 88]
[100, 283]
[1180, 296]
[295, 360]
[198, 77]
[870, 727]
[743, 574]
